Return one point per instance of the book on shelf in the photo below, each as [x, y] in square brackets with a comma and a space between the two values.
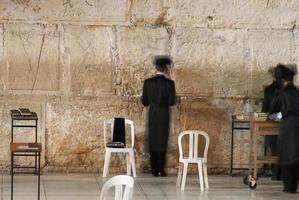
[15, 112]
[260, 116]
[22, 112]
[25, 112]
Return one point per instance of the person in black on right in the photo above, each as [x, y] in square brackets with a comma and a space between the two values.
[271, 104]
[288, 138]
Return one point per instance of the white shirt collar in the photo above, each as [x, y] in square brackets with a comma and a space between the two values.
[160, 73]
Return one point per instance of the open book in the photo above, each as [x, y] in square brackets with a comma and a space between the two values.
[25, 111]
[22, 112]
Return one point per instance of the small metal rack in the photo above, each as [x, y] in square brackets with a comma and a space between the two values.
[237, 124]
[22, 149]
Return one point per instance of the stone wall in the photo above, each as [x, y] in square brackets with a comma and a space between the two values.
[78, 62]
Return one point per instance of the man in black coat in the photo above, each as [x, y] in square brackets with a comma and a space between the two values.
[288, 139]
[159, 95]
[271, 104]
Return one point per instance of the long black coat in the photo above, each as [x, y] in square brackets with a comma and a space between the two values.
[288, 139]
[271, 104]
[271, 98]
[158, 94]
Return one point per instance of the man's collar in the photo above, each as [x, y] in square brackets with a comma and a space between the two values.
[160, 73]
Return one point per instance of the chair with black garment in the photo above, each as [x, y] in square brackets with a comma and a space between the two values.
[117, 128]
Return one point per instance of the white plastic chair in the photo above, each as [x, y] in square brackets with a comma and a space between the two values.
[193, 157]
[123, 187]
[129, 149]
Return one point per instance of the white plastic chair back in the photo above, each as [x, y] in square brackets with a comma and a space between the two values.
[123, 187]
[193, 144]
[109, 123]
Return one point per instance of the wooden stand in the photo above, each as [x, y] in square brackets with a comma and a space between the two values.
[261, 128]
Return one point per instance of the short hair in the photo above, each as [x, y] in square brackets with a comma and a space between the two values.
[161, 62]
[282, 72]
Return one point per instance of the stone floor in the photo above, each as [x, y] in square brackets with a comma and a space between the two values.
[88, 186]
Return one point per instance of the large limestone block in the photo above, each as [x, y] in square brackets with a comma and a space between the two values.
[202, 114]
[137, 46]
[266, 49]
[153, 12]
[210, 62]
[74, 133]
[232, 76]
[214, 117]
[71, 11]
[296, 47]
[242, 13]
[194, 70]
[91, 56]
[32, 57]
[2, 66]
[75, 130]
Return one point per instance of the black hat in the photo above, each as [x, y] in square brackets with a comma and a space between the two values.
[282, 71]
[162, 60]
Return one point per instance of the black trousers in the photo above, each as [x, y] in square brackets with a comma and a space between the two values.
[271, 143]
[157, 161]
[290, 177]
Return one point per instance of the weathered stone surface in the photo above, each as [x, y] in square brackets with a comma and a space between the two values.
[153, 12]
[232, 76]
[91, 56]
[2, 77]
[137, 47]
[74, 11]
[267, 48]
[210, 63]
[214, 117]
[32, 57]
[193, 48]
[295, 58]
[237, 14]
[75, 136]
[203, 115]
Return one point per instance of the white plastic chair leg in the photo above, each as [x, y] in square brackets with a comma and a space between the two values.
[118, 192]
[133, 166]
[205, 171]
[184, 176]
[179, 178]
[200, 173]
[106, 163]
[129, 171]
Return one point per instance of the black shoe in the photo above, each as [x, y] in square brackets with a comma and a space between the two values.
[289, 191]
[162, 173]
[156, 174]
[275, 178]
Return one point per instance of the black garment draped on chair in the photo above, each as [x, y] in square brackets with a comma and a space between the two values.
[119, 131]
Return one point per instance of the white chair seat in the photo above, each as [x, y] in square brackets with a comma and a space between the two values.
[119, 150]
[195, 160]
